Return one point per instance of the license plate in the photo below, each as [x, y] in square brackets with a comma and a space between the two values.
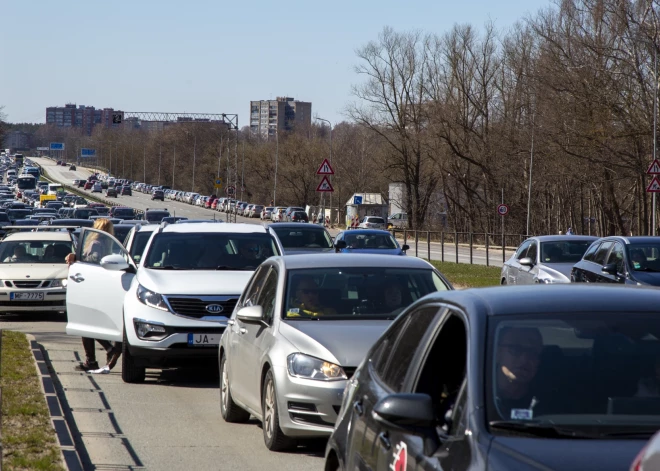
[204, 340]
[26, 296]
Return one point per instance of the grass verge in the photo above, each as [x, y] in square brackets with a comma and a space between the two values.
[463, 275]
[28, 437]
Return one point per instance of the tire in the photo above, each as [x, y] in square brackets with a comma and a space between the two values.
[228, 408]
[274, 438]
[130, 372]
[503, 281]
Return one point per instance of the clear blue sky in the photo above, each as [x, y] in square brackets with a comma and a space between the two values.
[211, 56]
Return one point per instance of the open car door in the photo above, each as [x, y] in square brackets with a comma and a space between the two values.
[97, 285]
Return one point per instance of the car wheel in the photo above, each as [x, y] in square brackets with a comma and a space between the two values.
[274, 438]
[503, 281]
[228, 408]
[130, 372]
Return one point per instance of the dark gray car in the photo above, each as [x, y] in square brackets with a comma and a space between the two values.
[302, 238]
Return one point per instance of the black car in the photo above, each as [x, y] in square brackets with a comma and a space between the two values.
[484, 379]
[72, 222]
[155, 216]
[72, 167]
[173, 219]
[126, 191]
[122, 212]
[299, 238]
[158, 195]
[625, 260]
[111, 191]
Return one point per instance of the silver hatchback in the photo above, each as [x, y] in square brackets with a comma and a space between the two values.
[301, 328]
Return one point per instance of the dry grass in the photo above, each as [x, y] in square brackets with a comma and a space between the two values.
[463, 275]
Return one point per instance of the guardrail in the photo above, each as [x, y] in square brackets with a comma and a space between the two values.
[471, 241]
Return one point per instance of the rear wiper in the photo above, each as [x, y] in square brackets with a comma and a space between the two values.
[539, 430]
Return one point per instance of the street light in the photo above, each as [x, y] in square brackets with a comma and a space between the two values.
[330, 125]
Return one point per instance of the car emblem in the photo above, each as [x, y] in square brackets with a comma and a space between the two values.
[27, 276]
[214, 308]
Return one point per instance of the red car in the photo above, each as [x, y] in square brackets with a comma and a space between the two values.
[88, 186]
[209, 202]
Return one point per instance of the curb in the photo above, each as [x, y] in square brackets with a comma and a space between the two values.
[60, 416]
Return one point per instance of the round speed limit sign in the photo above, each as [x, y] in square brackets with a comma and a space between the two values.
[503, 210]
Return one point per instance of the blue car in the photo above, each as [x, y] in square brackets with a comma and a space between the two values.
[369, 241]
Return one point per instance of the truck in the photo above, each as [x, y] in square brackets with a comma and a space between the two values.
[18, 160]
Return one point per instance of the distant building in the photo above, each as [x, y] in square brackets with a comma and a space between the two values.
[17, 140]
[85, 117]
[268, 117]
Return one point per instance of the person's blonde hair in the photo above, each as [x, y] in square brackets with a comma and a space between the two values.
[102, 224]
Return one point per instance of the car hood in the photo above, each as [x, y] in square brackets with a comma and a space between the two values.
[376, 251]
[37, 271]
[562, 455]
[343, 342]
[646, 278]
[303, 250]
[201, 282]
[558, 271]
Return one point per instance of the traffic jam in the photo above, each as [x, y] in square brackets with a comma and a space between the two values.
[347, 339]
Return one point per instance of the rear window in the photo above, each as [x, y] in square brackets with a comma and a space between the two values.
[123, 212]
[375, 220]
[156, 216]
[303, 237]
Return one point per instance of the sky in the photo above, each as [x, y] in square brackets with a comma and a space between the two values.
[207, 56]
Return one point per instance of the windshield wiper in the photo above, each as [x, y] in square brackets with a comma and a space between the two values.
[647, 269]
[539, 430]
[166, 267]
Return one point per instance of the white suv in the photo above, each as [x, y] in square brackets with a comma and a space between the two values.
[172, 308]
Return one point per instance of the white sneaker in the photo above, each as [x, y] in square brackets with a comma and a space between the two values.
[101, 371]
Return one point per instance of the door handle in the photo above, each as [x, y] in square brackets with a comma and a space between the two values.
[384, 440]
[243, 330]
[357, 407]
[77, 278]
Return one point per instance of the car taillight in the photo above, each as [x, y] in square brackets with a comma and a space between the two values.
[637, 463]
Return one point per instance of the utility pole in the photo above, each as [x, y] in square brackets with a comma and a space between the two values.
[330, 125]
[173, 166]
[194, 160]
[236, 166]
[160, 158]
[220, 157]
[144, 162]
[655, 121]
[529, 187]
[243, 170]
[277, 147]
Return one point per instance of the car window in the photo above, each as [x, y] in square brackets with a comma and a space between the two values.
[370, 241]
[251, 294]
[402, 352]
[303, 237]
[95, 245]
[616, 256]
[35, 251]
[268, 295]
[569, 251]
[522, 250]
[589, 255]
[599, 258]
[645, 257]
[140, 240]
[532, 251]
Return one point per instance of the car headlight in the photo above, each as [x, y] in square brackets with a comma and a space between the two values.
[305, 366]
[146, 330]
[151, 299]
[58, 283]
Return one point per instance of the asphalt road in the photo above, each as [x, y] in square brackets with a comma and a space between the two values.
[143, 201]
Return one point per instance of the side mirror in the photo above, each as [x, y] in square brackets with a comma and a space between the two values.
[409, 413]
[405, 247]
[251, 314]
[526, 261]
[610, 269]
[340, 244]
[114, 262]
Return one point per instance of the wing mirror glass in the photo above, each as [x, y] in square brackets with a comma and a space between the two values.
[610, 269]
[526, 261]
[405, 247]
[340, 244]
[114, 262]
[251, 314]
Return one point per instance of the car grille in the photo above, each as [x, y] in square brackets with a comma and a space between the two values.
[28, 284]
[61, 303]
[196, 307]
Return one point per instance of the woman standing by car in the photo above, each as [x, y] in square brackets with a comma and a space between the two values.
[94, 251]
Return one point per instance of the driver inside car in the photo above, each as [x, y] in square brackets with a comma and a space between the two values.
[306, 300]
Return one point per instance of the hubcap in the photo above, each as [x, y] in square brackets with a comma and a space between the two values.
[269, 404]
[225, 386]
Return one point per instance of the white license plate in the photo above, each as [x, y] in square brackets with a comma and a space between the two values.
[204, 340]
[28, 296]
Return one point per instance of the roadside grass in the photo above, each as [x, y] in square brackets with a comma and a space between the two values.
[28, 438]
[464, 275]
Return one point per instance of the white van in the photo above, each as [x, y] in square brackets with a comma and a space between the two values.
[54, 188]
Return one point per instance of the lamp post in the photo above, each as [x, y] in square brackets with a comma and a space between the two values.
[330, 125]
[655, 121]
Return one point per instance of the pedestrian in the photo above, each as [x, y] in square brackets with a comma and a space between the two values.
[327, 221]
[93, 251]
[569, 231]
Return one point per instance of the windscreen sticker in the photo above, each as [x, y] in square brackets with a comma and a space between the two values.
[294, 310]
[522, 414]
[400, 462]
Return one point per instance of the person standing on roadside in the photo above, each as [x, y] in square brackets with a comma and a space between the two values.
[94, 251]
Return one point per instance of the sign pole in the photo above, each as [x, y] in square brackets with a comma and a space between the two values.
[503, 246]
[655, 121]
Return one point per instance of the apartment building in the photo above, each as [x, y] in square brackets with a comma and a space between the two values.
[267, 117]
[85, 117]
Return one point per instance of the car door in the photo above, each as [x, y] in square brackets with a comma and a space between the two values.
[578, 273]
[95, 295]
[513, 264]
[237, 330]
[527, 274]
[594, 270]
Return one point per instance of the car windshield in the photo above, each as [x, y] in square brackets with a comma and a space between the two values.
[370, 241]
[569, 251]
[574, 369]
[303, 237]
[139, 243]
[209, 251]
[645, 257]
[375, 220]
[357, 292]
[123, 212]
[41, 251]
[156, 216]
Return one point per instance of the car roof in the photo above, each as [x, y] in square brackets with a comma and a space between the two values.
[564, 238]
[296, 225]
[367, 231]
[39, 235]
[558, 299]
[633, 240]
[214, 227]
[332, 260]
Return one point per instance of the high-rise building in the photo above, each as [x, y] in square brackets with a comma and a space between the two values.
[85, 117]
[283, 114]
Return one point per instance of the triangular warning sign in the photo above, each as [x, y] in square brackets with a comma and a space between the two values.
[326, 169]
[654, 186]
[654, 168]
[326, 186]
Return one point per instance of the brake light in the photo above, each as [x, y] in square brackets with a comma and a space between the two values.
[637, 463]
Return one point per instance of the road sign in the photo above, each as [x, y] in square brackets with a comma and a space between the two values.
[502, 209]
[654, 168]
[654, 186]
[87, 152]
[217, 183]
[57, 146]
[325, 169]
[357, 200]
[43, 148]
[230, 190]
[116, 118]
[325, 186]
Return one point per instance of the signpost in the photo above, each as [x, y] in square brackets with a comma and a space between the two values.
[325, 186]
[357, 200]
[57, 146]
[230, 190]
[116, 118]
[654, 186]
[87, 153]
[217, 183]
[503, 210]
[43, 148]
[325, 168]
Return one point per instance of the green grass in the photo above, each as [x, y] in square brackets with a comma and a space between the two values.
[28, 438]
[463, 275]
